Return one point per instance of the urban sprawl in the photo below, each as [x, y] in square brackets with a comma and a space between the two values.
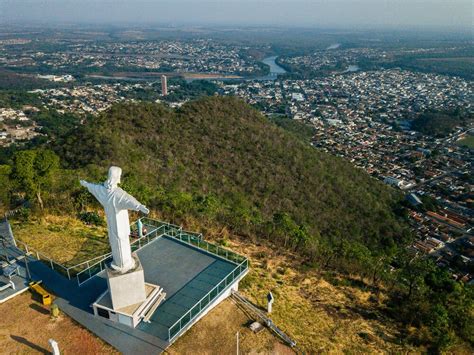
[363, 116]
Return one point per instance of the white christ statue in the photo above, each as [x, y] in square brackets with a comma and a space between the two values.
[116, 203]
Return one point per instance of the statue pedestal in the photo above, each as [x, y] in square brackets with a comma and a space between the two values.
[127, 289]
[129, 300]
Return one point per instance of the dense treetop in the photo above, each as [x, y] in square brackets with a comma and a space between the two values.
[441, 123]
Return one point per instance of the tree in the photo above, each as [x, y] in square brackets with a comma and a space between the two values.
[430, 299]
[413, 273]
[5, 183]
[33, 171]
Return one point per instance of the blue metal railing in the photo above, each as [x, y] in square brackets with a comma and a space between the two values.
[176, 329]
[195, 240]
[157, 229]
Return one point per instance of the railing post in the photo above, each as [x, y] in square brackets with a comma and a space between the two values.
[37, 256]
[68, 275]
[51, 263]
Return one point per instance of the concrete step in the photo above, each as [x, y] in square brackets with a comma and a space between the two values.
[153, 308]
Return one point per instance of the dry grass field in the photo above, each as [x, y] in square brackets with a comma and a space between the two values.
[321, 317]
[64, 239]
[216, 334]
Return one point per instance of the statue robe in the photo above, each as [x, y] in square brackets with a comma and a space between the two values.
[116, 203]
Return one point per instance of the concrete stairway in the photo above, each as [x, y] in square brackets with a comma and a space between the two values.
[152, 304]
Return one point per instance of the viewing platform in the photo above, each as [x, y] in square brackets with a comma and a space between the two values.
[195, 276]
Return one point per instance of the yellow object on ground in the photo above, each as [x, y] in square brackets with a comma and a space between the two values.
[54, 310]
[36, 288]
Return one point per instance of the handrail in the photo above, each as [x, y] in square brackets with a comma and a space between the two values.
[101, 263]
[69, 269]
[227, 254]
[198, 303]
[103, 256]
[40, 256]
[168, 228]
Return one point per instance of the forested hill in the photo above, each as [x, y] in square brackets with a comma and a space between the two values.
[220, 160]
[218, 165]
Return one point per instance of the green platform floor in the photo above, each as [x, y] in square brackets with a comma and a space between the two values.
[186, 275]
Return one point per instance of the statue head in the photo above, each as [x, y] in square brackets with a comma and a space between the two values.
[114, 177]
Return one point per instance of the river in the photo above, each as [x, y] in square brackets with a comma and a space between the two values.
[352, 68]
[275, 70]
[333, 46]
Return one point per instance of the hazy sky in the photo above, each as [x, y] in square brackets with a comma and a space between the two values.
[304, 13]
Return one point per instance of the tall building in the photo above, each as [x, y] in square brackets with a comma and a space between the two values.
[164, 85]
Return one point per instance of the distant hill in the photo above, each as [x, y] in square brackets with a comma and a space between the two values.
[220, 160]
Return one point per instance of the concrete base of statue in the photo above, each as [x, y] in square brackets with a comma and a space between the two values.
[128, 288]
[129, 299]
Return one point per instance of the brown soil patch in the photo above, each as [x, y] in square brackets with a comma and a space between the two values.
[26, 327]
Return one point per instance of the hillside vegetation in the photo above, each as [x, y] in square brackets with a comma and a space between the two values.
[219, 159]
[218, 165]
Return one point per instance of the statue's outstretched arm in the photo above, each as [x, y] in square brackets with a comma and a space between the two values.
[94, 189]
[131, 203]
[144, 209]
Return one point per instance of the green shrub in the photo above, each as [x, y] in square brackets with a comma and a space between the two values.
[91, 218]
